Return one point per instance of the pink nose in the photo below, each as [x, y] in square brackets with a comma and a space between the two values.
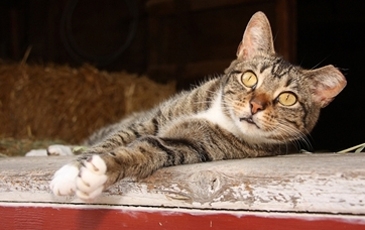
[257, 104]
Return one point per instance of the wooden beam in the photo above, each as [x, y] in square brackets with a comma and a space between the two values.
[318, 183]
[306, 191]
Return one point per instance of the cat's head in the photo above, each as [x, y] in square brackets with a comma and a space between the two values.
[269, 99]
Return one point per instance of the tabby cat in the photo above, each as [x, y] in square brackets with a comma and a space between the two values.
[256, 108]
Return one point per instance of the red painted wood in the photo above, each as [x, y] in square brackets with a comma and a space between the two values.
[24, 218]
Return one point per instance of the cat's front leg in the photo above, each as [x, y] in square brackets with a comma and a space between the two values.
[92, 173]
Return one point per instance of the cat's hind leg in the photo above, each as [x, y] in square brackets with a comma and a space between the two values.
[53, 150]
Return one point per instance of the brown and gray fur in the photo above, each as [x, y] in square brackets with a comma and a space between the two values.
[189, 128]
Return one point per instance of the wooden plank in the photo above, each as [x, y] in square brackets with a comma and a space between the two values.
[317, 183]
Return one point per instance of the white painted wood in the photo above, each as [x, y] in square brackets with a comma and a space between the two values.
[325, 183]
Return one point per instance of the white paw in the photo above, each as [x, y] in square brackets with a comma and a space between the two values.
[64, 180]
[36, 153]
[59, 150]
[87, 182]
[91, 180]
[52, 150]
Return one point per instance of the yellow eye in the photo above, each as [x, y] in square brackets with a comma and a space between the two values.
[287, 98]
[249, 79]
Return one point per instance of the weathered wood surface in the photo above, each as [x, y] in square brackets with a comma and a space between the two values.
[318, 183]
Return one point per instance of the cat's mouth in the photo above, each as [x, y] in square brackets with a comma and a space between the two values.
[249, 120]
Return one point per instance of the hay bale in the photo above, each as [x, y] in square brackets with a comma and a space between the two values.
[60, 102]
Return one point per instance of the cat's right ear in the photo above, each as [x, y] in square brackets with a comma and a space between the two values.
[257, 38]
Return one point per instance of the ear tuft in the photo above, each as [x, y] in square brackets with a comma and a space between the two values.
[326, 82]
[257, 37]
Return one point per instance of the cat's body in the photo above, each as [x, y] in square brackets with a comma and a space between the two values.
[257, 108]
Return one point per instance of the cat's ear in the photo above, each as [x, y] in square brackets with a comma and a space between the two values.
[325, 83]
[257, 37]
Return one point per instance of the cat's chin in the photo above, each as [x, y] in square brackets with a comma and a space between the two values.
[252, 133]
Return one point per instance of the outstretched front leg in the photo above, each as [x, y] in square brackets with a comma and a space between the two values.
[183, 143]
[92, 173]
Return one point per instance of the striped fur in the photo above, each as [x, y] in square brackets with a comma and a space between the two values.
[216, 120]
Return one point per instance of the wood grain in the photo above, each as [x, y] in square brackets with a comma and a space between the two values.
[320, 183]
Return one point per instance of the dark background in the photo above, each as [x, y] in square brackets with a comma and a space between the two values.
[332, 32]
[115, 35]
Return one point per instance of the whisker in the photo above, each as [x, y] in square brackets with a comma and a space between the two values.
[299, 138]
[318, 64]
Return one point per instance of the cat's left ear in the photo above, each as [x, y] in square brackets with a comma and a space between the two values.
[257, 38]
[326, 83]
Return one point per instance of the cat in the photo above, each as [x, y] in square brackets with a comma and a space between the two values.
[259, 106]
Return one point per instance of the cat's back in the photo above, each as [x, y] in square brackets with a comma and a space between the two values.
[191, 102]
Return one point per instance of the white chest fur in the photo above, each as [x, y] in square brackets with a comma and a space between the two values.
[216, 115]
